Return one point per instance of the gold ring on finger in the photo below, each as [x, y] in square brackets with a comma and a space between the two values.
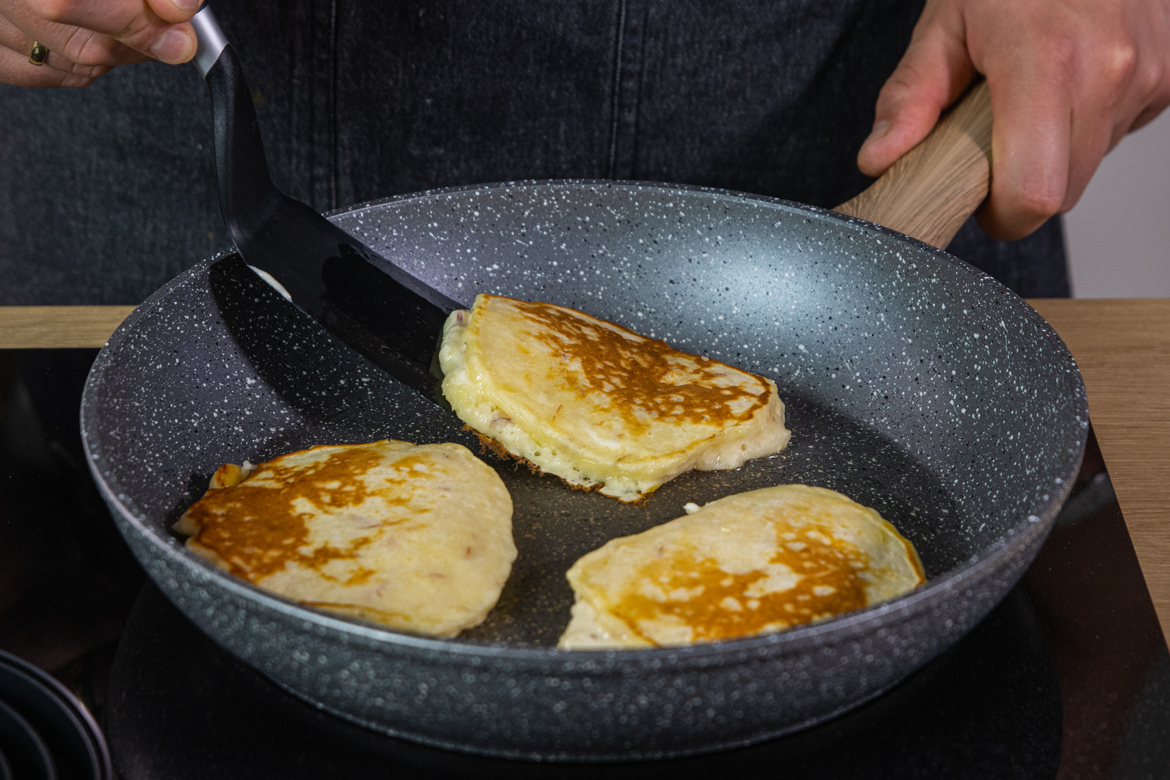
[38, 55]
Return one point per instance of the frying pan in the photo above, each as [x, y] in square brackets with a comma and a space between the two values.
[913, 383]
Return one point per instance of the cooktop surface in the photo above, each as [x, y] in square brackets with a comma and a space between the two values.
[1068, 677]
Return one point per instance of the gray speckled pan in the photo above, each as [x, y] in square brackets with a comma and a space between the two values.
[914, 384]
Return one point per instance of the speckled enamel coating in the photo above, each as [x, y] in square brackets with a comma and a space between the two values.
[914, 384]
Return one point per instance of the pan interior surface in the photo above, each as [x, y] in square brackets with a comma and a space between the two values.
[913, 383]
[905, 387]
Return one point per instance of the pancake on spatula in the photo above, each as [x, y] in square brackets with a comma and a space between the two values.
[747, 564]
[417, 538]
[599, 405]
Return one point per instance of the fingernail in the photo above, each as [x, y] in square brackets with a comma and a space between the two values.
[174, 46]
[189, 6]
[879, 131]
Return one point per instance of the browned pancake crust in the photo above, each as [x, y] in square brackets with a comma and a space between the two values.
[412, 537]
[273, 536]
[639, 374]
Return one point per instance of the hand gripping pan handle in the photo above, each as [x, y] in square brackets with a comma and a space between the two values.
[932, 189]
[388, 315]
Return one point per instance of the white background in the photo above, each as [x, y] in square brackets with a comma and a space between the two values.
[1119, 232]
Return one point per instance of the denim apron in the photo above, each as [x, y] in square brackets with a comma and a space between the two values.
[107, 192]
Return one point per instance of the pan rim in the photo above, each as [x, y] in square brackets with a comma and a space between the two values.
[1030, 527]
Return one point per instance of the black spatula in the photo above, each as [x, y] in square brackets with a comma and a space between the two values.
[379, 309]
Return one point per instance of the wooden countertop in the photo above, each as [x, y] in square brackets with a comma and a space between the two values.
[1121, 345]
[58, 327]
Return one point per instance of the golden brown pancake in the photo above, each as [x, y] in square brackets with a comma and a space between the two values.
[599, 405]
[751, 563]
[417, 538]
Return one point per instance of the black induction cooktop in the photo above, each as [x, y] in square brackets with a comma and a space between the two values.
[1069, 677]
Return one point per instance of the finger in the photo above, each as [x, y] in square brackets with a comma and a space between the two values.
[1091, 137]
[1128, 83]
[1149, 95]
[14, 39]
[175, 11]
[16, 69]
[81, 31]
[1115, 83]
[1107, 108]
[116, 18]
[174, 46]
[1030, 142]
[932, 74]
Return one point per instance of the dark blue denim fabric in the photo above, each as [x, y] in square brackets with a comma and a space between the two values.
[107, 192]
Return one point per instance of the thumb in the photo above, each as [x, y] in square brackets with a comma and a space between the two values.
[934, 71]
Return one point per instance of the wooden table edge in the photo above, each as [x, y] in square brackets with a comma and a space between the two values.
[59, 327]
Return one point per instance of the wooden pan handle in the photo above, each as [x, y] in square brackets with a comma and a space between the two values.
[932, 189]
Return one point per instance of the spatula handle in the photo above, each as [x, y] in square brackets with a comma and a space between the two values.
[932, 189]
[246, 191]
[210, 38]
